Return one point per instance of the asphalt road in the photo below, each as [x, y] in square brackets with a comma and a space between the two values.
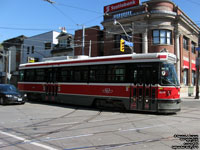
[40, 126]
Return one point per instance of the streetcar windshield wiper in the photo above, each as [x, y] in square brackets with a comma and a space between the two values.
[169, 82]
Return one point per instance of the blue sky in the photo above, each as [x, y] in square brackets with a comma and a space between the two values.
[32, 17]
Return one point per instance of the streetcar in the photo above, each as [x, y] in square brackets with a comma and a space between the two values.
[139, 82]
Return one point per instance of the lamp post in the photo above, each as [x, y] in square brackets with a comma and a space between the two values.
[128, 36]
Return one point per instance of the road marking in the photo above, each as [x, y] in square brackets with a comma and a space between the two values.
[63, 138]
[69, 123]
[143, 128]
[27, 141]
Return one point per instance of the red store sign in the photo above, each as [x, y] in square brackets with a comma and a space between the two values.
[121, 5]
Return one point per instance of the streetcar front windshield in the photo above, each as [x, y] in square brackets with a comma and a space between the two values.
[168, 75]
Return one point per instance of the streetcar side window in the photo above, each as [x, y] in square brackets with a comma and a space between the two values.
[154, 75]
[81, 74]
[21, 75]
[65, 74]
[29, 75]
[116, 73]
[143, 73]
[133, 75]
[39, 75]
[97, 73]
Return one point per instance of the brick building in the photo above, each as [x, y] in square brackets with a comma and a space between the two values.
[153, 26]
[93, 38]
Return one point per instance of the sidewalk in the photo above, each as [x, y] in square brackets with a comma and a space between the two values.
[189, 98]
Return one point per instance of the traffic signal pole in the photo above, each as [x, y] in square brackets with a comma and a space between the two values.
[197, 78]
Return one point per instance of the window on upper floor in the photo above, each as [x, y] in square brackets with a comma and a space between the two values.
[28, 50]
[33, 49]
[185, 43]
[69, 40]
[62, 43]
[162, 37]
[47, 45]
[193, 48]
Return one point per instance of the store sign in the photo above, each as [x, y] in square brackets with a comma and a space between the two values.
[122, 15]
[31, 60]
[121, 5]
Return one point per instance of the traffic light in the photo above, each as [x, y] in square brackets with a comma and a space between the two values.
[122, 42]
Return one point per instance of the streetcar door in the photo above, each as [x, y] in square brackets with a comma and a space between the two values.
[137, 88]
[143, 91]
[51, 87]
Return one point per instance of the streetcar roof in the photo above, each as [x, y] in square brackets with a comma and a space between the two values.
[127, 58]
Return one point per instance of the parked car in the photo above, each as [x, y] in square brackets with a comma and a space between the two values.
[10, 95]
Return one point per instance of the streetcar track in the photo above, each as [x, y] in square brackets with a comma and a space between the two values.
[85, 121]
[53, 119]
[112, 146]
[88, 120]
[48, 133]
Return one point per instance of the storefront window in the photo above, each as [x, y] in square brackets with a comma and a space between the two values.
[193, 77]
[185, 76]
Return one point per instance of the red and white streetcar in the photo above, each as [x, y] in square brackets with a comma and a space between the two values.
[143, 82]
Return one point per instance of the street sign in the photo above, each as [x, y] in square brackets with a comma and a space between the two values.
[129, 43]
[9, 76]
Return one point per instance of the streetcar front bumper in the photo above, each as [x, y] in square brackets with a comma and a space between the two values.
[169, 106]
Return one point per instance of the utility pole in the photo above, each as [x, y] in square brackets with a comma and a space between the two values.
[90, 49]
[83, 44]
[8, 65]
[197, 80]
[197, 67]
[133, 26]
[83, 38]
